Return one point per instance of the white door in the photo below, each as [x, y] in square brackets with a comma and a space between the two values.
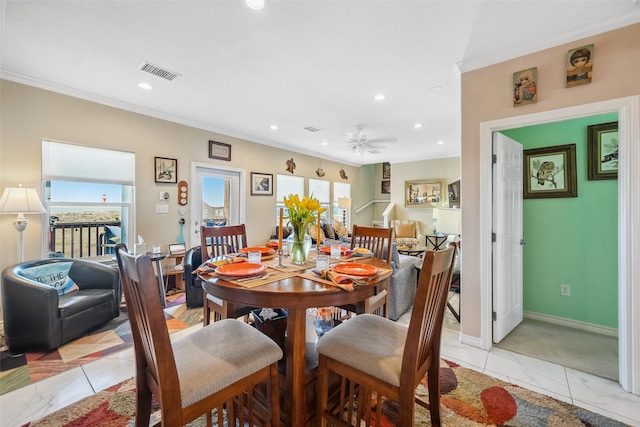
[507, 227]
[215, 199]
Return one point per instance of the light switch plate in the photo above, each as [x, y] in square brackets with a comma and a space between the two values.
[162, 208]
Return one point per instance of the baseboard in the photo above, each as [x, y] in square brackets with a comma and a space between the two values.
[470, 340]
[589, 327]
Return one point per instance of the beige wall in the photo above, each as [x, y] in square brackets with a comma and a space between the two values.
[29, 114]
[487, 96]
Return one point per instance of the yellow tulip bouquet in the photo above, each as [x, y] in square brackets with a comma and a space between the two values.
[301, 213]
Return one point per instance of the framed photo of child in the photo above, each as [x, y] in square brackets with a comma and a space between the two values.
[580, 66]
[525, 90]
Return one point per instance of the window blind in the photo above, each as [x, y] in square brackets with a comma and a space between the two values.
[70, 162]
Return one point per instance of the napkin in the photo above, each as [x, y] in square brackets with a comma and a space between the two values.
[211, 265]
[340, 280]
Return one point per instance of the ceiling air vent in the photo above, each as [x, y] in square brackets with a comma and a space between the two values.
[313, 129]
[157, 71]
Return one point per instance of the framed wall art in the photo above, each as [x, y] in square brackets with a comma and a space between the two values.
[550, 172]
[525, 90]
[385, 187]
[579, 66]
[386, 170]
[166, 170]
[219, 150]
[602, 151]
[261, 184]
[425, 193]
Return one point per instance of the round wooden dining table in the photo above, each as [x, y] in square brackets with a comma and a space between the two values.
[296, 294]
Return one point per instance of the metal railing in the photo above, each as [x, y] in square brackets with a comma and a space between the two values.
[79, 239]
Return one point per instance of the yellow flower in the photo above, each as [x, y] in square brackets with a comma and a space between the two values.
[301, 213]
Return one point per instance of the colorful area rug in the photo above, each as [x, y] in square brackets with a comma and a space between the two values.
[469, 398]
[110, 338]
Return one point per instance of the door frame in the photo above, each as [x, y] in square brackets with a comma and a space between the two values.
[193, 209]
[628, 110]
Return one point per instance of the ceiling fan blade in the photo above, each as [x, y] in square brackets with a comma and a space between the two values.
[388, 139]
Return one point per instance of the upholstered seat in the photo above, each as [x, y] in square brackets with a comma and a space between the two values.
[375, 358]
[407, 232]
[217, 367]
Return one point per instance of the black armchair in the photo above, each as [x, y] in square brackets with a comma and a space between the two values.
[37, 318]
[192, 283]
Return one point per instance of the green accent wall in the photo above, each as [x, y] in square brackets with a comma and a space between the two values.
[571, 240]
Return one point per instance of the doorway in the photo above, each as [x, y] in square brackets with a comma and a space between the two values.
[628, 211]
[217, 198]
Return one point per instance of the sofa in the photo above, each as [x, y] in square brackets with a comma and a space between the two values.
[192, 283]
[403, 282]
[38, 318]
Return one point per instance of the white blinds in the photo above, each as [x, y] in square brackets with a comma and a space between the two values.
[287, 184]
[69, 162]
[321, 190]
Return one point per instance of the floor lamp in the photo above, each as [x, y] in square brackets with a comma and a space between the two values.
[20, 200]
[344, 203]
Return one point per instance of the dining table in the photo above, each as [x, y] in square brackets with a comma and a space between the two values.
[296, 289]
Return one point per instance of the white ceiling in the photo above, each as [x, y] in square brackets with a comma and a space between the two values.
[294, 64]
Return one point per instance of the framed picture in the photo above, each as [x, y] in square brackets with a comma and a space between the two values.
[166, 170]
[579, 66]
[550, 172]
[261, 184]
[386, 170]
[602, 151]
[385, 187]
[525, 90]
[219, 150]
[426, 193]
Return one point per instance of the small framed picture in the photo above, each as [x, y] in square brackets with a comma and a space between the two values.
[579, 66]
[166, 170]
[550, 172]
[386, 170]
[261, 184]
[385, 187]
[602, 151]
[219, 150]
[525, 90]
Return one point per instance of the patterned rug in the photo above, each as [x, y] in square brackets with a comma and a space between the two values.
[110, 338]
[469, 398]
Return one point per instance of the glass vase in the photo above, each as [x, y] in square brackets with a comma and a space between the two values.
[298, 247]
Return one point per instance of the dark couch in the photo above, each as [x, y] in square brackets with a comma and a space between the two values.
[37, 318]
[192, 284]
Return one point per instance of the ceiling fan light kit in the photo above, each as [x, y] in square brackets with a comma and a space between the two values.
[359, 143]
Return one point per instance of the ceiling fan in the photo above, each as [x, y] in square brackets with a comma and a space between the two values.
[359, 143]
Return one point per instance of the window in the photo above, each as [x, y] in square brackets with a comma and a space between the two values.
[321, 190]
[89, 203]
[285, 185]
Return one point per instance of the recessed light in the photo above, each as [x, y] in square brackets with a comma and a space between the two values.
[324, 142]
[273, 127]
[255, 4]
[417, 125]
[145, 86]
[440, 142]
[379, 97]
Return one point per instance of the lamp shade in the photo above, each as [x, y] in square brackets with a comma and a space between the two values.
[449, 221]
[20, 200]
[344, 203]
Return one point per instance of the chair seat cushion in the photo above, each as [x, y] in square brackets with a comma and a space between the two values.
[84, 299]
[368, 343]
[218, 355]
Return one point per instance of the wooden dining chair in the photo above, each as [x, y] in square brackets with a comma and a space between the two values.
[217, 241]
[377, 240]
[378, 358]
[222, 366]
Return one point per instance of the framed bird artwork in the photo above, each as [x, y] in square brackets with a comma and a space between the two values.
[550, 172]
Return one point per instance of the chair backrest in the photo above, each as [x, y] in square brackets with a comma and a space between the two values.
[425, 326]
[222, 240]
[376, 239]
[153, 351]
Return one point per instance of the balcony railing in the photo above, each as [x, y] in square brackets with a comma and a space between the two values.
[80, 239]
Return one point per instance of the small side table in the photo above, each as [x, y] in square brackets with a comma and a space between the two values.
[174, 274]
[436, 241]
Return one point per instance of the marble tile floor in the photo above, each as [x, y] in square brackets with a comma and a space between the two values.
[587, 391]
